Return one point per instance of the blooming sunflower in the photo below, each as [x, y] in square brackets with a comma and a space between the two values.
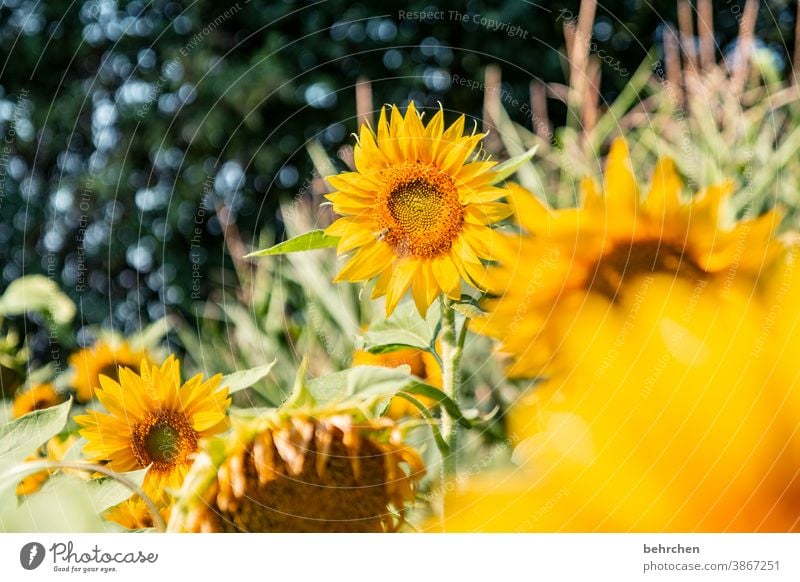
[102, 359]
[37, 397]
[153, 420]
[579, 260]
[696, 432]
[417, 211]
[134, 514]
[302, 473]
[423, 365]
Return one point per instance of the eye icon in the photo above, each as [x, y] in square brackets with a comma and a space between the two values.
[31, 555]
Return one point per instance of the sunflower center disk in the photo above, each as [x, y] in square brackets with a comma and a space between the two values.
[418, 210]
[163, 439]
[631, 259]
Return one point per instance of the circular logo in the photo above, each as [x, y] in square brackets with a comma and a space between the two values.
[31, 555]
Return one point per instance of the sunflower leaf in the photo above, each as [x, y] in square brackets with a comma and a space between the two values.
[107, 492]
[403, 329]
[421, 389]
[245, 378]
[20, 438]
[359, 384]
[37, 293]
[469, 310]
[507, 168]
[309, 241]
[35, 513]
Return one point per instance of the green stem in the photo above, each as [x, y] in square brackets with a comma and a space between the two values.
[451, 383]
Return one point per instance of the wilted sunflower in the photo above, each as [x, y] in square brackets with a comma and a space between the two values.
[416, 211]
[423, 365]
[690, 427]
[586, 260]
[154, 420]
[300, 473]
[102, 359]
[37, 397]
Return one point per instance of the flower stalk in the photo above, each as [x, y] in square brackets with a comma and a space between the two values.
[452, 347]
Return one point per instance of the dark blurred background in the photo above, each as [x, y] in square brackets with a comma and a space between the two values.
[134, 132]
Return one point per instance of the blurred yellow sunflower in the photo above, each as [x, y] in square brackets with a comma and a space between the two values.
[102, 359]
[154, 420]
[302, 473]
[37, 397]
[416, 212]
[578, 259]
[423, 365]
[691, 427]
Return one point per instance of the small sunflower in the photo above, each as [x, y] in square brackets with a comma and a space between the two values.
[417, 211]
[134, 514]
[300, 473]
[153, 420]
[594, 256]
[102, 359]
[37, 397]
[423, 365]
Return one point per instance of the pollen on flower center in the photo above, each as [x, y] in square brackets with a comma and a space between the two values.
[163, 438]
[418, 210]
[634, 258]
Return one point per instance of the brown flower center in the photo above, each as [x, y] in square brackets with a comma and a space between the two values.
[418, 210]
[634, 258]
[164, 438]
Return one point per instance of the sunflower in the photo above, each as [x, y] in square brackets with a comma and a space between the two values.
[423, 365]
[154, 421]
[696, 432]
[37, 397]
[583, 260]
[302, 473]
[416, 212]
[102, 359]
[133, 514]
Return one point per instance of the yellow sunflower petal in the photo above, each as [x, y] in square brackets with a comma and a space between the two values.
[447, 276]
[621, 190]
[404, 271]
[424, 288]
[487, 213]
[367, 262]
[663, 199]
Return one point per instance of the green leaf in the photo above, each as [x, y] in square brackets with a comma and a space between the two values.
[150, 336]
[63, 506]
[20, 438]
[40, 294]
[507, 168]
[363, 383]
[469, 310]
[245, 378]
[435, 394]
[309, 241]
[403, 329]
[107, 492]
